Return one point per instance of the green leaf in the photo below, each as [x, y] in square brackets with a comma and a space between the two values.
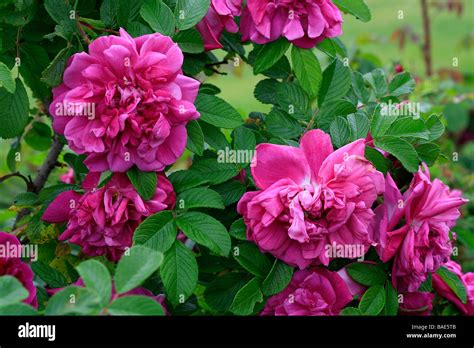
[185, 179]
[401, 149]
[378, 160]
[278, 278]
[329, 112]
[379, 82]
[200, 198]
[135, 266]
[307, 70]
[246, 298]
[359, 87]
[26, 199]
[454, 283]
[53, 74]
[340, 131]
[17, 309]
[380, 123]
[359, 125]
[213, 136]
[293, 100]
[97, 278]
[49, 275]
[6, 80]
[357, 8]
[189, 41]
[269, 54]
[401, 84]
[179, 273]
[214, 172]
[250, 257]
[39, 137]
[127, 11]
[221, 291]
[336, 82]
[373, 300]
[238, 229]
[366, 273]
[195, 138]
[13, 154]
[74, 300]
[428, 153]
[205, 230]
[135, 305]
[11, 290]
[217, 112]
[244, 139]
[350, 311]
[60, 12]
[159, 16]
[13, 111]
[265, 91]
[230, 191]
[144, 182]
[190, 12]
[391, 304]
[283, 125]
[408, 127]
[157, 232]
[435, 127]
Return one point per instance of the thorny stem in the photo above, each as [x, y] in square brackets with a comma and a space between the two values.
[427, 38]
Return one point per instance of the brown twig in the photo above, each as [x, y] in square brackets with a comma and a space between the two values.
[427, 38]
[84, 36]
[43, 174]
[18, 175]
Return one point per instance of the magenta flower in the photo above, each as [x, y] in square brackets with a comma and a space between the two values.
[416, 303]
[12, 265]
[126, 102]
[219, 17]
[445, 291]
[137, 291]
[310, 198]
[421, 244]
[304, 23]
[311, 292]
[102, 220]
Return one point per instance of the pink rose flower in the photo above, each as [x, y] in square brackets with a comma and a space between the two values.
[15, 267]
[416, 303]
[126, 102]
[304, 23]
[428, 210]
[311, 292]
[102, 220]
[445, 291]
[219, 17]
[137, 291]
[310, 198]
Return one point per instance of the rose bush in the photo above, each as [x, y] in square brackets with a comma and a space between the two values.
[319, 203]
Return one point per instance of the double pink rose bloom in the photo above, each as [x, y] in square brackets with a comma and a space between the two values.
[102, 220]
[304, 23]
[413, 228]
[126, 102]
[219, 17]
[310, 198]
[311, 292]
[15, 267]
